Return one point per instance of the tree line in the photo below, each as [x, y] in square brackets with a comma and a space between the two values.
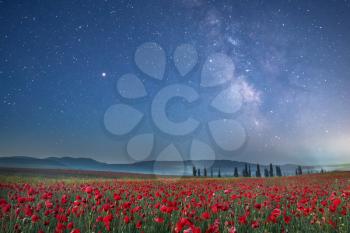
[269, 171]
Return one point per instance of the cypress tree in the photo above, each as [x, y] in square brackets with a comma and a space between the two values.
[300, 170]
[266, 172]
[258, 173]
[271, 170]
[236, 172]
[245, 170]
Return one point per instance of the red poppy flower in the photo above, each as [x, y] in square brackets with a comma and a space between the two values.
[255, 224]
[126, 219]
[35, 218]
[139, 224]
[205, 215]
[159, 220]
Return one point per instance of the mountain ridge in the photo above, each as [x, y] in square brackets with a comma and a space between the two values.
[148, 167]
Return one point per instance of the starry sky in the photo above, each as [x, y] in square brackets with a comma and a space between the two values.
[60, 61]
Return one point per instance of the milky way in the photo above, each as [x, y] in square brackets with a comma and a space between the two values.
[61, 60]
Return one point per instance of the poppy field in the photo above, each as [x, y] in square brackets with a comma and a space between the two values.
[309, 203]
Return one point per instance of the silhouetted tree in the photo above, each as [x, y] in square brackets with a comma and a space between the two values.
[300, 170]
[266, 172]
[245, 171]
[194, 171]
[205, 172]
[211, 172]
[258, 173]
[199, 172]
[219, 173]
[278, 171]
[236, 172]
[271, 170]
[249, 171]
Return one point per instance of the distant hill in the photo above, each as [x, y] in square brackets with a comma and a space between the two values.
[146, 167]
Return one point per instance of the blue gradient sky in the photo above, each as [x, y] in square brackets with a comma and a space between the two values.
[292, 61]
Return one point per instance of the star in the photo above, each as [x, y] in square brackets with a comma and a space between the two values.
[290, 67]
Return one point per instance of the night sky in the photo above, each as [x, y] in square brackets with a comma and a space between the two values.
[61, 63]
